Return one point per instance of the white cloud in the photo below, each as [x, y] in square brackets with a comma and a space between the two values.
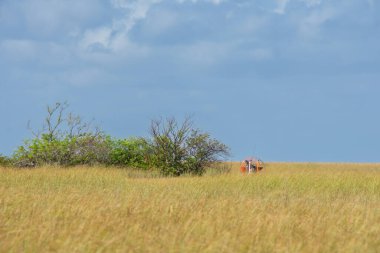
[281, 6]
[161, 21]
[49, 19]
[111, 42]
[135, 11]
[115, 36]
[99, 37]
[310, 26]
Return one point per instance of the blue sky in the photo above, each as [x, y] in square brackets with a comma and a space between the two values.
[287, 80]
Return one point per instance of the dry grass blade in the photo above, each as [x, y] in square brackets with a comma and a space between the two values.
[287, 208]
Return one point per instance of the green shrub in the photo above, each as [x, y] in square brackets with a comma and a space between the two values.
[64, 139]
[178, 148]
[87, 149]
[91, 149]
[5, 161]
[132, 152]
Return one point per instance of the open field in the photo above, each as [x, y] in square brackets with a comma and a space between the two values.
[290, 207]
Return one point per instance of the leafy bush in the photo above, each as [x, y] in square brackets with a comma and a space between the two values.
[39, 151]
[64, 140]
[85, 149]
[130, 152]
[91, 149]
[5, 161]
[179, 148]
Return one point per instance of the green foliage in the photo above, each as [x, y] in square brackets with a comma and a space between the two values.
[5, 161]
[179, 148]
[91, 149]
[75, 150]
[202, 151]
[66, 140]
[130, 152]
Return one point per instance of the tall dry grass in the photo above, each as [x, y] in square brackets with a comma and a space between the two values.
[287, 208]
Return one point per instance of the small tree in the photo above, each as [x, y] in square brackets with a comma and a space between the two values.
[203, 151]
[64, 139]
[178, 148]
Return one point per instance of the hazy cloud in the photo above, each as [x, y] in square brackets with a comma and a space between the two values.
[281, 6]
[261, 54]
[15, 50]
[371, 3]
[311, 24]
[114, 37]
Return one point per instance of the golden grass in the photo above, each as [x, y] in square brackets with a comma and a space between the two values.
[290, 207]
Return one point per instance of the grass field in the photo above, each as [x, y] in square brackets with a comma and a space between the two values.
[290, 207]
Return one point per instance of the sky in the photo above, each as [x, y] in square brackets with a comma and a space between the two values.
[285, 80]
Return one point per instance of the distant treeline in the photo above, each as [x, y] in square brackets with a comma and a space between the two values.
[65, 139]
